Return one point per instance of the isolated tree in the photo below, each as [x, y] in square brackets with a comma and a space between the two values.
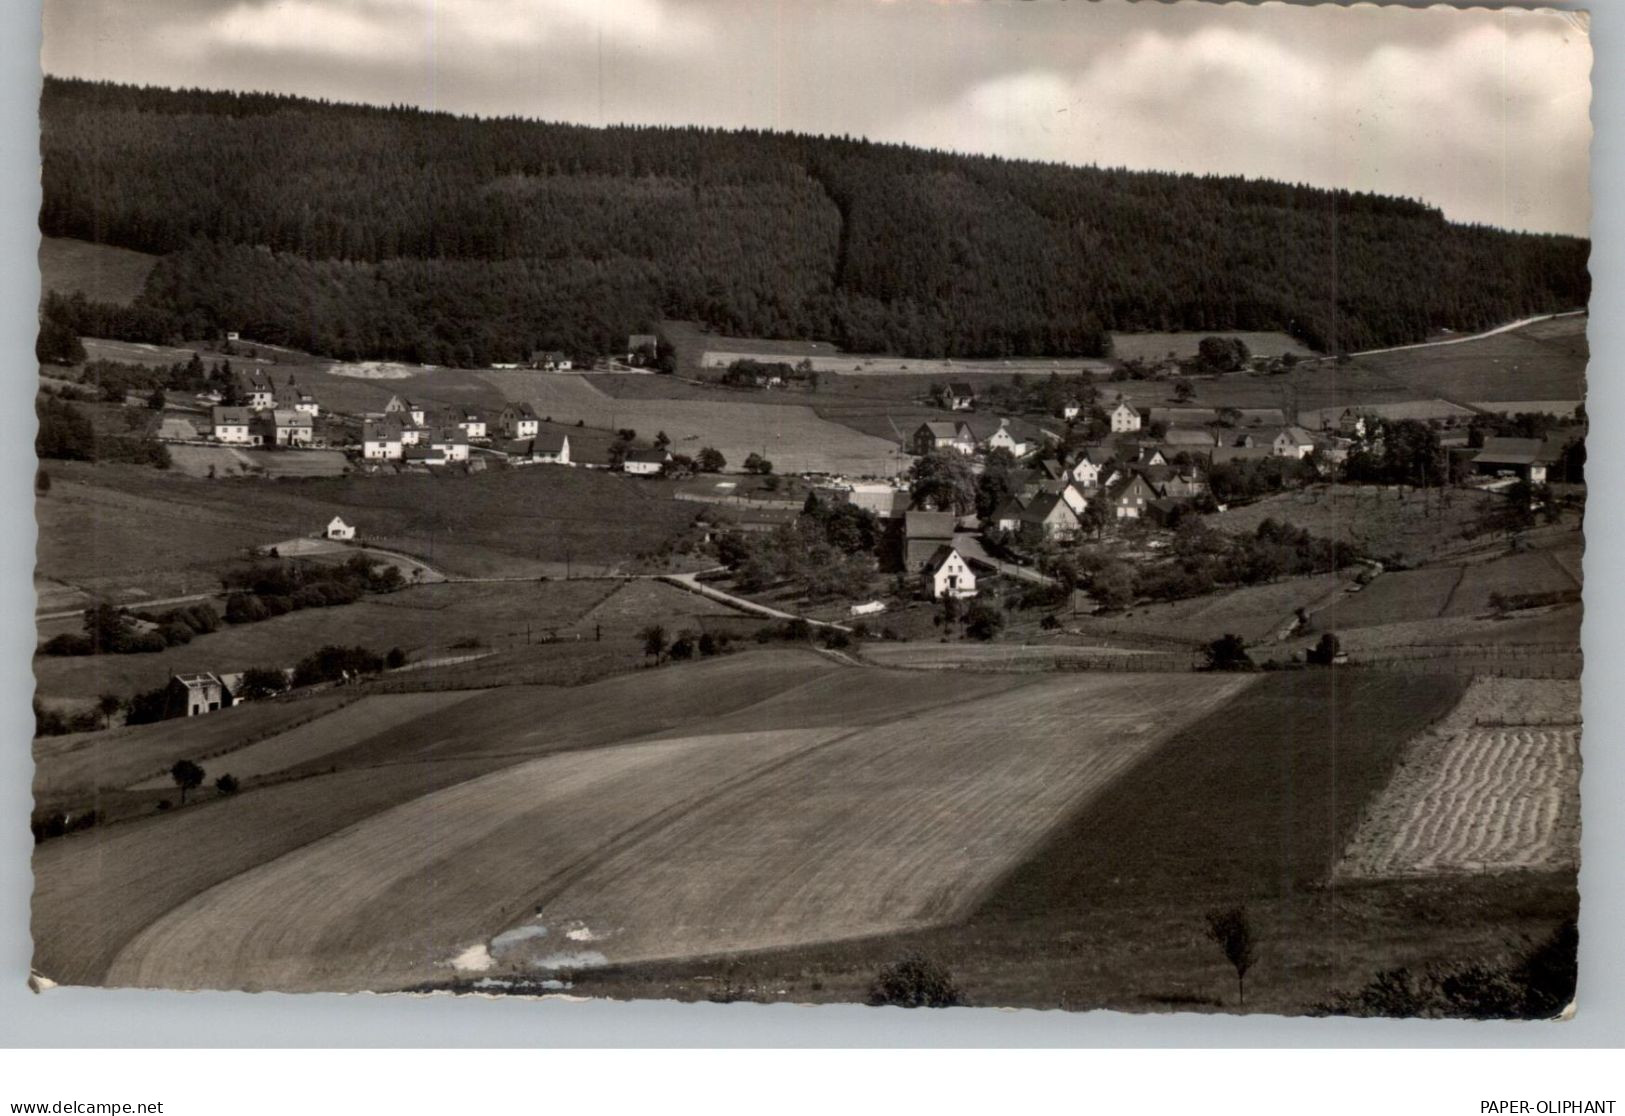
[227, 784]
[395, 658]
[107, 705]
[912, 981]
[710, 461]
[1228, 652]
[1183, 390]
[662, 440]
[1233, 932]
[943, 480]
[654, 641]
[187, 776]
[1326, 651]
[756, 463]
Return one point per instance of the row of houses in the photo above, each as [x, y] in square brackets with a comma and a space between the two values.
[960, 437]
[243, 426]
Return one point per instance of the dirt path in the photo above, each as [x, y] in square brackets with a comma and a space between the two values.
[691, 582]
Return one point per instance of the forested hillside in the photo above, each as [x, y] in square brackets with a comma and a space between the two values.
[385, 232]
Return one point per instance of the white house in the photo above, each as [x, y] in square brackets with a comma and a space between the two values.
[1125, 419]
[1071, 409]
[949, 575]
[1087, 468]
[641, 346]
[258, 393]
[472, 424]
[381, 440]
[646, 463]
[944, 435]
[451, 445]
[339, 530]
[1003, 439]
[960, 396]
[550, 360]
[1294, 441]
[406, 410]
[231, 425]
[295, 398]
[518, 420]
[284, 427]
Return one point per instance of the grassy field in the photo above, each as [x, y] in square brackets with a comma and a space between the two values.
[1494, 787]
[103, 273]
[427, 622]
[128, 530]
[96, 890]
[1546, 360]
[1413, 525]
[794, 438]
[657, 849]
[1156, 346]
[1256, 613]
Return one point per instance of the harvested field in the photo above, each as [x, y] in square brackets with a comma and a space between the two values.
[1257, 613]
[316, 740]
[795, 439]
[96, 890]
[1394, 598]
[198, 461]
[299, 463]
[103, 273]
[1494, 787]
[658, 849]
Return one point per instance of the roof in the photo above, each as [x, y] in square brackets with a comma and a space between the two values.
[192, 681]
[550, 442]
[1136, 479]
[1511, 451]
[1042, 507]
[422, 453]
[960, 387]
[947, 429]
[282, 416]
[648, 456]
[380, 430]
[451, 437]
[523, 410]
[1095, 455]
[1052, 469]
[940, 555]
[929, 524]
[1188, 436]
[1122, 403]
[550, 354]
[1297, 435]
[638, 340]
[231, 416]
[1222, 454]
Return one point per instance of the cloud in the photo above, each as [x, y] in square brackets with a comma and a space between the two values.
[464, 31]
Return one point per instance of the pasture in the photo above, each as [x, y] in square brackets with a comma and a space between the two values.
[794, 438]
[1493, 787]
[676, 847]
[101, 272]
[1257, 613]
[1412, 525]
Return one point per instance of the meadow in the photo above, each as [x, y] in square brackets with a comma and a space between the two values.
[103, 273]
[1544, 360]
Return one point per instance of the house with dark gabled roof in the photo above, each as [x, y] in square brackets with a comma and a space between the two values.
[954, 436]
[518, 420]
[1524, 458]
[646, 462]
[960, 396]
[1131, 500]
[923, 532]
[1048, 516]
[381, 439]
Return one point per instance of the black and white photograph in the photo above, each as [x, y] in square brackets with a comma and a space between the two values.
[1065, 506]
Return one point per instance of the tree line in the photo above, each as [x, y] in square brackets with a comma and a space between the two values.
[393, 232]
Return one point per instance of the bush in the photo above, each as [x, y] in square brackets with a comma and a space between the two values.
[227, 784]
[395, 659]
[175, 634]
[914, 980]
[261, 682]
[147, 643]
[68, 643]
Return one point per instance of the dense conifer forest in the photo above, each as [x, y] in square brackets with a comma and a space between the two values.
[393, 232]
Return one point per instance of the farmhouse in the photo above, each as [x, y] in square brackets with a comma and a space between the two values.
[1294, 441]
[381, 440]
[947, 574]
[1046, 517]
[518, 420]
[1003, 439]
[1007, 516]
[230, 425]
[1086, 470]
[550, 360]
[258, 393]
[1124, 418]
[544, 449]
[959, 396]
[406, 410]
[1524, 458]
[954, 436]
[472, 423]
[1133, 498]
[646, 462]
[451, 443]
[923, 532]
[291, 396]
[412, 434]
[283, 427]
[192, 694]
[339, 530]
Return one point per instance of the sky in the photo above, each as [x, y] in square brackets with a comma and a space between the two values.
[1483, 113]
